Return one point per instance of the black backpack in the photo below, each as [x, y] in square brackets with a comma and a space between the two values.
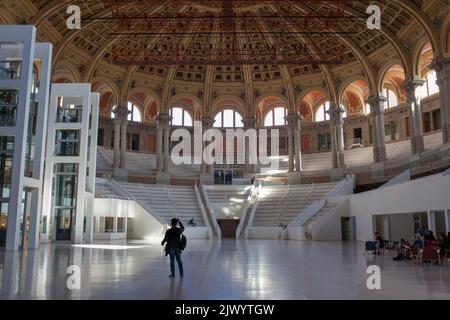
[183, 242]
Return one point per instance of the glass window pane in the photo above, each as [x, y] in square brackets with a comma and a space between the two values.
[11, 54]
[177, 116]
[228, 121]
[137, 117]
[9, 99]
[218, 120]
[320, 114]
[279, 114]
[238, 120]
[432, 83]
[187, 119]
[268, 121]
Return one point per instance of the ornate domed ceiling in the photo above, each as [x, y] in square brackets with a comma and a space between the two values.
[245, 46]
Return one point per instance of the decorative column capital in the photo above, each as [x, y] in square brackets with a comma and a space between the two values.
[293, 120]
[411, 84]
[207, 122]
[163, 119]
[377, 103]
[121, 113]
[336, 113]
[249, 123]
[442, 67]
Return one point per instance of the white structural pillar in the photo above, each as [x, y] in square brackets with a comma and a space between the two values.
[432, 221]
[24, 90]
[442, 68]
[336, 113]
[71, 150]
[447, 221]
[377, 103]
[415, 113]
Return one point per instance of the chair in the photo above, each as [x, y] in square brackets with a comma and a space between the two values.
[370, 246]
[430, 254]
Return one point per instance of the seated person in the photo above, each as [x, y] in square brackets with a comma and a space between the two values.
[442, 244]
[430, 240]
[379, 243]
[402, 246]
[192, 223]
[419, 241]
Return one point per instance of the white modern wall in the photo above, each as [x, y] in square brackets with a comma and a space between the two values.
[30, 53]
[422, 195]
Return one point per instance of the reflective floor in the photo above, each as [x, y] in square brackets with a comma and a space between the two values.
[228, 269]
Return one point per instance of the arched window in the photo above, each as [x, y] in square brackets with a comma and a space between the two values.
[134, 115]
[392, 100]
[430, 86]
[228, 119]
[180, 117]
[275, 117]
[321, 112]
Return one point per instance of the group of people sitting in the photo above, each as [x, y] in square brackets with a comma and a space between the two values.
[405, 249]
[424, 239]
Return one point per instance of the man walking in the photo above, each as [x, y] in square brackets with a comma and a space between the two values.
[173, 246]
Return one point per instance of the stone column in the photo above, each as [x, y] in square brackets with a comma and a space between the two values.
[166, 148]
[207, 123]
[159, 146]
[415, 113]
[294, 123]
[116, 155]
[120, 137]
[163, 148]
[442, 68]
[290, 149]
[249, 123]
[123, 144]
[337, 130]
[377, 103]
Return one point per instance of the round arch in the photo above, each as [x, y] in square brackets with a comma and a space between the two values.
[196, 102]
[347, 82]
[65, 69]
[445, 34]
[273, 95]
[237, 104]
[150, 95]
[310, 90]
[418, 55]
[6, 18]
[112, 86]
[384, 69]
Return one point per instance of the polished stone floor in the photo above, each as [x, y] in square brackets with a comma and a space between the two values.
[228, 269]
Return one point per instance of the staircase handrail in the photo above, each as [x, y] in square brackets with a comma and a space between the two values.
[317, 205]
[202, 209]
[210, 210]
[244, 214]
[252, 213]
